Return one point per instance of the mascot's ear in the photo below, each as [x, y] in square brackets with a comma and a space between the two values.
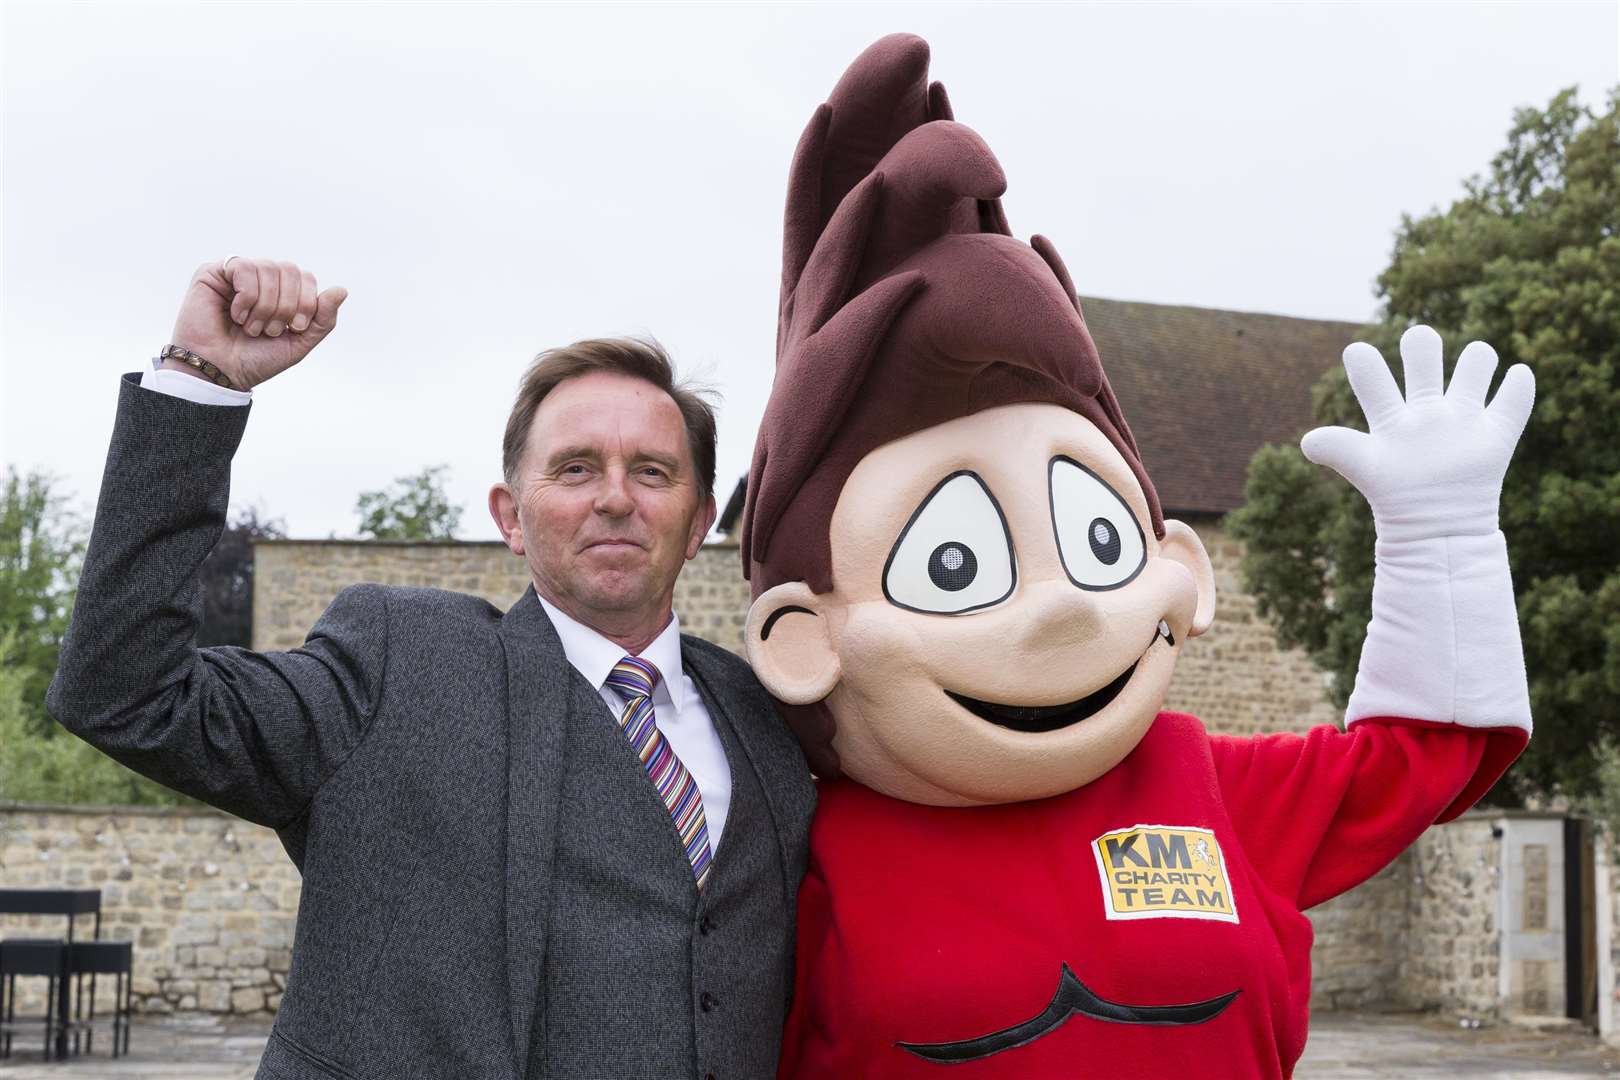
[1181, 544]
[790, 645]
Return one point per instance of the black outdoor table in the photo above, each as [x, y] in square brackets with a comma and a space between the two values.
[69, 902]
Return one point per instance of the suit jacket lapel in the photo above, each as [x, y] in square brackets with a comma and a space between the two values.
[538, 687]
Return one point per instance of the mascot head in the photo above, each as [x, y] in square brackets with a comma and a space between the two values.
[965, 590]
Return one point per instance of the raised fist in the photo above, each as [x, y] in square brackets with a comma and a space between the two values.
[254, 318]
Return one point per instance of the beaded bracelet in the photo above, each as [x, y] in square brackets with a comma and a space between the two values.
[209, 371]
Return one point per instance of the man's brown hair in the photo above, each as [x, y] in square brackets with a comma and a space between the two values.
[638, 358]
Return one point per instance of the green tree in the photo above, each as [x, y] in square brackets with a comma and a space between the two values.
[55, 766]
[41, 549]
[413, 508]
[1528, 260]
[41, 546]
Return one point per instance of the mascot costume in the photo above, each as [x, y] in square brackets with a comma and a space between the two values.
[970, 604]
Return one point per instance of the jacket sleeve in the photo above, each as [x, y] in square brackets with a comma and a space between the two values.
[1319, 813]
[254, 734]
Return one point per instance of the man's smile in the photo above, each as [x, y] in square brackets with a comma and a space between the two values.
[1038, 718]
[611, 544]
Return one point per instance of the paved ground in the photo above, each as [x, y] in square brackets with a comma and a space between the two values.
[1341, 1048]
[195, 1046]
[1411, 1047]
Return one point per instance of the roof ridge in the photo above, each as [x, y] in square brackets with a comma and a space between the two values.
[1223, 311]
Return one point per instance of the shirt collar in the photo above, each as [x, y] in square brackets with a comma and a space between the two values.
[593, 655]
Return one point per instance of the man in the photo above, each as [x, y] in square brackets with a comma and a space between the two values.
[515, 864]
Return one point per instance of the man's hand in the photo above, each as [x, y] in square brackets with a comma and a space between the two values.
[253, 318]
[1431, 464]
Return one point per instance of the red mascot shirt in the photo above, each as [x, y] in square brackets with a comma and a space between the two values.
[1146, 925]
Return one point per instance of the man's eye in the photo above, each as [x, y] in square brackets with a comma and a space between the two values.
[955, 555]
[1101, 544]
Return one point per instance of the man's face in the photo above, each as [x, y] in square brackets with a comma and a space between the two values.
[607, 504]
[1003, 620]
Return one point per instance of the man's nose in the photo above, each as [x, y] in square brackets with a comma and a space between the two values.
[613, 495]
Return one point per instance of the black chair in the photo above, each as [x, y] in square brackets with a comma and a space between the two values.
[32, 956]
[94, 958]
[68, 902]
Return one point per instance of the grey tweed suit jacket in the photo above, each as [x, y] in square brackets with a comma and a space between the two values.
[408, 755]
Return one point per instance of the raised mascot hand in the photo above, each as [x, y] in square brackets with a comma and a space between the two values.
[253, 318]
[1443, 642]
[1431, 464]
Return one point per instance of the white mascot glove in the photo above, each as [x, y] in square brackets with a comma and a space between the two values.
[1443, 643]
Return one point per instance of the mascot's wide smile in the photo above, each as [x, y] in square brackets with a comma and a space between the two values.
[1039, 718]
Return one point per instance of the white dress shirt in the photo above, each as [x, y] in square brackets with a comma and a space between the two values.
[179, 384]
[678, 708]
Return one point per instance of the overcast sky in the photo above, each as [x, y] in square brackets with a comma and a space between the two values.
[491, 180]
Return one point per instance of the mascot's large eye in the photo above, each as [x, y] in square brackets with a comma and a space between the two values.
[955, 554]
[1098, 537]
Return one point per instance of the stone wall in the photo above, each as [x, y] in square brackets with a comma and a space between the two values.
[1356, 959]
[1234, 678]
[1451, 958]
[294, 580]
[209, 901]
[1423, 934]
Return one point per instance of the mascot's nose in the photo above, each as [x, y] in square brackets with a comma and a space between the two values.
[1056, 616]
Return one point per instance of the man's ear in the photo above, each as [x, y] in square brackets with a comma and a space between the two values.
[790, 645]
[1182, 544]
[503, 508]
[701, 524]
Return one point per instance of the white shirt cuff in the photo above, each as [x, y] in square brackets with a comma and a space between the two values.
[179, 384]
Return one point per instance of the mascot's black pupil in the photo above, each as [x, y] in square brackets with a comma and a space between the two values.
[1104, 541]
[953, 566]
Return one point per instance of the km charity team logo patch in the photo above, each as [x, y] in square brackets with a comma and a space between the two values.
[1164, 872]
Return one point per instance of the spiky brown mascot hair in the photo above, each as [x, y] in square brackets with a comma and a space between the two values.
[905, 303]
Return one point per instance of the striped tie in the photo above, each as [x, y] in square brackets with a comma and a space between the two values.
[633, 680]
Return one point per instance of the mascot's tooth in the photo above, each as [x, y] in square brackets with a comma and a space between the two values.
[1164, 630]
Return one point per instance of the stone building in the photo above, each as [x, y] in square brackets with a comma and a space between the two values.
[1202, 391]
[210, 900]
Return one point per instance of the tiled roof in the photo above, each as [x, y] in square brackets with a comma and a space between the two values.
[1202, 389]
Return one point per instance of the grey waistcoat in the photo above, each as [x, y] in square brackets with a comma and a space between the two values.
[646, 978]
